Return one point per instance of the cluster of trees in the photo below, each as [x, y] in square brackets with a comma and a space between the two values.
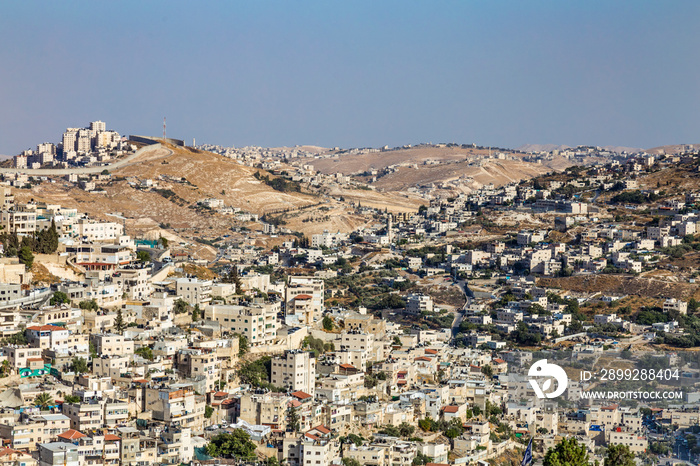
[450, 429]
[42, 242]
[236, 444]
[372, 380]
[88, 305]
[387, 301]
[317, 346]
[59, 297]
[524, 336]
[691, 336]
[634, 197]
[257, 373]
[403, 430]
[279, 184]
[569, 452]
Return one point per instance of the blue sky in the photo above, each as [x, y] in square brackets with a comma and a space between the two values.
[354, 74]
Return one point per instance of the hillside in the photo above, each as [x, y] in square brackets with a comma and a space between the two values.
[348, 163]
[422, 165]
[172, 201]
[673, 148]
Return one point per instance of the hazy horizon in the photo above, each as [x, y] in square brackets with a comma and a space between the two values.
[365, 74]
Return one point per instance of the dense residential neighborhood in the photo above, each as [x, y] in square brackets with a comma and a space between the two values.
[404, 341]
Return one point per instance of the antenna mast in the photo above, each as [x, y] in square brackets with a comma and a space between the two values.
[163, 129]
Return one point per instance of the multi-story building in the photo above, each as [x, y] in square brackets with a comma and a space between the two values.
[177, 406]
[90, 230]
[194, 290]
[47, 336]
[295, 370]
[93, 414]
[100, 257]
[30, 430]
[95, 448]
[70, 140]
[112, 367]
[257, 322]
[264, 409]
[21, 221]
[135, 449]
[304, 298]
[196, 363]
[673, 304]
[58, 454]
[417, 303]
[111, 344]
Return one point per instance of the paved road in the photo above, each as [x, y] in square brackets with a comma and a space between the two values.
[459, 314]
[85, 170]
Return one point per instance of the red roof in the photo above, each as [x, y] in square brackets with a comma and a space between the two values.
[45, 328]
[71, 434]
[9, 451]
[430, 351]
[35, 359]
[347, 366]
[301, 395]
[498, 361]
[321, 428]
[111, 437]
[422, 358]
[451, 409]
[220, 394]
[304, 296]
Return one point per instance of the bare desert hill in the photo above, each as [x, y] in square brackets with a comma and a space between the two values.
[348, 163]
[673, 149]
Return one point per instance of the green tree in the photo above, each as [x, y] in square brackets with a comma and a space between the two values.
[5, 368]
[242, 345]
[180, 306]
[89, 305]
[43, 400]
[208, 411]
[293, 421]
[236, 444]
[351, 462]
[59, 297]
[80, 365]
[487, 370]
[233, 277]
[406, 429]
[26, 257]
[196, 313]
[119, 323]
[143, 256]
[163, 242]
[619, 455]
[145, 352]
[327, 323]
[568, 452]
[71, 399]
